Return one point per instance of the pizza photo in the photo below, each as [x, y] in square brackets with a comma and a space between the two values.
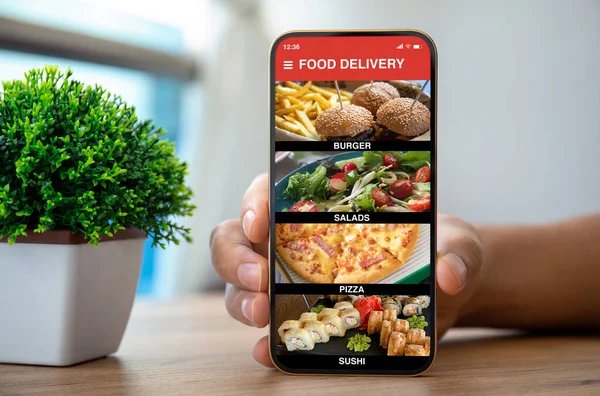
[353, 253]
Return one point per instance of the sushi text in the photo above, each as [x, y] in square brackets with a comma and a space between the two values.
[352, 361]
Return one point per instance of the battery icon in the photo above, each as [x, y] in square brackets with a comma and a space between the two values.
[417, 46]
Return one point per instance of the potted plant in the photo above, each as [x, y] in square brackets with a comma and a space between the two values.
[83, 182]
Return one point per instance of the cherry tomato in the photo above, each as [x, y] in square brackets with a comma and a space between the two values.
[350, 166]
[382, 198]
[401, 188]
[389, 159]
[420, 204]
[423, 175]
[304, 206]
[338, 182]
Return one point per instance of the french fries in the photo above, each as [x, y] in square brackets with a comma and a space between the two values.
[297, 106]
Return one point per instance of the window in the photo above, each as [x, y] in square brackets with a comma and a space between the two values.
[157, 97]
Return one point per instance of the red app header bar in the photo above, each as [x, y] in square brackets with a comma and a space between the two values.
[352, 58]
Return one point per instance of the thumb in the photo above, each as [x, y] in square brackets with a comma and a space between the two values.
[459, 254]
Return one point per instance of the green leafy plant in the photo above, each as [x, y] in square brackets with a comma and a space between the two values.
[76, 157]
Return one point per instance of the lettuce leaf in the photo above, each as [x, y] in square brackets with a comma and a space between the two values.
[311, 186]
[373, 158]
[351, 177]
[365, 200]
[413, 160]
[358, 161]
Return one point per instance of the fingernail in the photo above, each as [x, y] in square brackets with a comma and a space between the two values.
[247, 222]
[458, 267]
[249, 275]
[248, 308]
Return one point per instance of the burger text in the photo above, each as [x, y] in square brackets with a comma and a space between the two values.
[352, 64]
[352, 146]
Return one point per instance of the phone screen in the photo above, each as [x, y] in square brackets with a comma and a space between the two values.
[353, 202]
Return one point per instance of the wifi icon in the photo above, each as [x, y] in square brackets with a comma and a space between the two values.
[407, 46]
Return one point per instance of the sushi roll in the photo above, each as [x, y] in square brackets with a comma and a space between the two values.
[400, 325]
[343, 305]
[374, 324]
[393, 306]
[414, 350]
[396, 344]
[411, 309]
[389, 314]
[399, 299]
[424, 301]
[326, 312]
[287, 325]
[427, 345]
[350, 318]
[412, 300]
[334, 325]
[318, 331]
[415, 336]
[298, 339]
[338, 297]
[388, 300]
[386, 331]
[306, 316]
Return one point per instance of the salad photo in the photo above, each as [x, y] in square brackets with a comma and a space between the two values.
[369, 181]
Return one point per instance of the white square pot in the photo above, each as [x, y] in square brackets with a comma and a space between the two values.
[62, 304]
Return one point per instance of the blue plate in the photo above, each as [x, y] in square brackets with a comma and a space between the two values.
[280, 202]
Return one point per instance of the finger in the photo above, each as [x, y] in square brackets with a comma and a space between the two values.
[235, 260]
[460, 256]
[251, 308]
[255, 209]
[261, 352]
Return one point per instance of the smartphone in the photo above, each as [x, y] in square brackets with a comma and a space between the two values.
[353, 202]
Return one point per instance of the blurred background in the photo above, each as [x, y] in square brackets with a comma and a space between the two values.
[518, 96]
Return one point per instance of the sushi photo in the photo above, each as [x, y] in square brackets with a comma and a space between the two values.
[367, 325]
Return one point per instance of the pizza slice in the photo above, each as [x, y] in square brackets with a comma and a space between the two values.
[363, 260]
[288, 232]
[314, 259]
[398, 239]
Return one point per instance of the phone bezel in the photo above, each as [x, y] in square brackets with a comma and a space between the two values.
[422, 368]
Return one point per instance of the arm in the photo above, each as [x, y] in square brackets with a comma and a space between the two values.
[538, 277]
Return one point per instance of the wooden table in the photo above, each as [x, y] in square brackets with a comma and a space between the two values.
[191, 347]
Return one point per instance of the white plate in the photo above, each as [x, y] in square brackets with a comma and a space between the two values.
[281, 155]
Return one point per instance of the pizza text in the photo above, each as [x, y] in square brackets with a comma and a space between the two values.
[351, 289]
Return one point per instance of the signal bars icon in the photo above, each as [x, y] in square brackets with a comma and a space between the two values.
[288, 65]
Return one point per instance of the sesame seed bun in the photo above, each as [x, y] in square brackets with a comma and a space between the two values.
[395, 116]
[372, 96]
[349, 121]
